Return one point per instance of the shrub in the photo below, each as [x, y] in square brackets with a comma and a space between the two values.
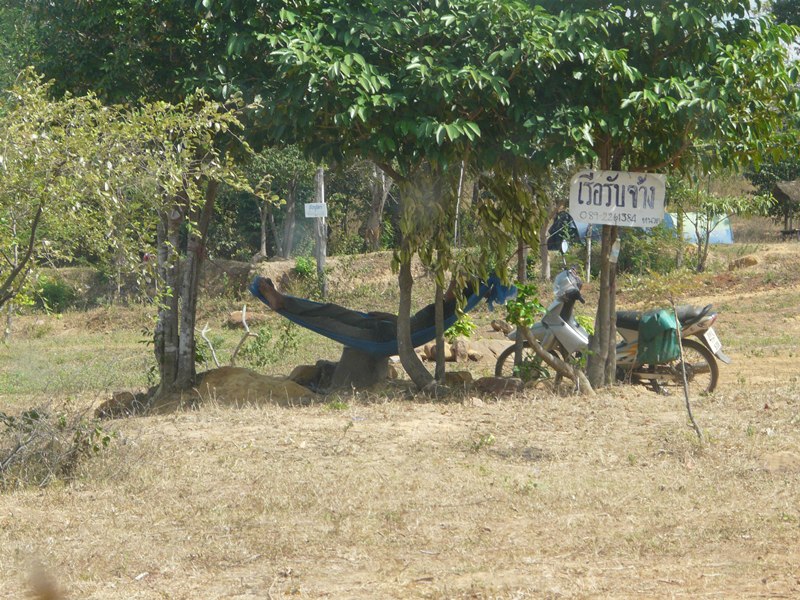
[305, 267]
[263, 350]
[55, 295]
[642, 251]
[464, 326]
[42, 445]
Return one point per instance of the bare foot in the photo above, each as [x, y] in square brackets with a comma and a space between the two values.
[273, 296]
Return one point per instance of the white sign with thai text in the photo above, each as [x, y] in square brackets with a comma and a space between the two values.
[316, 210]
[618, 198]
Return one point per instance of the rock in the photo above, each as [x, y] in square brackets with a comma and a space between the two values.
[460, 349]
[743, 262]
[122, 404]
[457, 378]
[303, 374]
[490, 348]
[429, 352]
[502, 326]
[474, 355]
[782, 462]
[238, 386]
[498, 385]
[235, 321]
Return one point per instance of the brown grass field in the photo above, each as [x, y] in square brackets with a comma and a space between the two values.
[384, 495]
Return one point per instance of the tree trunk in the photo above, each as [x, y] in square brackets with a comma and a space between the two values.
[544, 253]
[458, 202]
[166, 332]
[440, 371]
[273, 226]
[380, 186]
[289, 223]
[522, 277]
[599, 360]
[195, 254]
[408, 358]
[262, 213]
[9, 317]
[321, 234]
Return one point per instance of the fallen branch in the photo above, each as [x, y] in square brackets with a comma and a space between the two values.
[562, 368]
[683, 371]
[247, 334]
[210, 345]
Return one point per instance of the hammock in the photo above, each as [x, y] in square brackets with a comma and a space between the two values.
[492, 290]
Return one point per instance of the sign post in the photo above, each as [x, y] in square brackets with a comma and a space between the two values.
[319, 211]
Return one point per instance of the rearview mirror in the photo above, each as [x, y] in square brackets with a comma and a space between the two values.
[564, 246]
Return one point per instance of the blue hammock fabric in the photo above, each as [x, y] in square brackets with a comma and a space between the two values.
[380, 338]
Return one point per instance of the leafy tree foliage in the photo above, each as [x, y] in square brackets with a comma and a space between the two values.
[77, 175]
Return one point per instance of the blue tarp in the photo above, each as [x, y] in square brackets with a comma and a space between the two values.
[721, 232]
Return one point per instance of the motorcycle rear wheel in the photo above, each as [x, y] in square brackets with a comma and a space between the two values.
[702, 371]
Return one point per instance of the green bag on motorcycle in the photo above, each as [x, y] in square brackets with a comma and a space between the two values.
[658, 338]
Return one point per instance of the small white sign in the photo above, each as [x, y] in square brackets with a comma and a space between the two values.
[316, 210]
[618, 198]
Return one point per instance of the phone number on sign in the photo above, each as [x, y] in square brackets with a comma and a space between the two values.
[597, 216]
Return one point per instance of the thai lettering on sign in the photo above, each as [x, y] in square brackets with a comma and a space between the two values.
[617, 198]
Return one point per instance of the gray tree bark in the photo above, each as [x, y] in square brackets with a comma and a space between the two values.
[440, 372]
[380, 186]
[601, 366]
[287, 244]
[408, 357]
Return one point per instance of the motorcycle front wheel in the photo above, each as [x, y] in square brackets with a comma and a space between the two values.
[702, 370]
[531, 368]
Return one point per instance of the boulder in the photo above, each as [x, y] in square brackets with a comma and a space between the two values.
[235, 320]
[460, 349]
[122, 404]
[743, 262]
[303, 374]
[502, 326]
[457, 378]
[238, 386]
[498, 386]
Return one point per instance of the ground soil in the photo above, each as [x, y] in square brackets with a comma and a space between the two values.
[387, 495]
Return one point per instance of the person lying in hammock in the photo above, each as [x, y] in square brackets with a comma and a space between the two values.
[370, 326]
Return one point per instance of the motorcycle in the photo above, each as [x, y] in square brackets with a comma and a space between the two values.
[559, 333]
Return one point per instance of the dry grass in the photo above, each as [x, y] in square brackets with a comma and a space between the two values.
[535, 496]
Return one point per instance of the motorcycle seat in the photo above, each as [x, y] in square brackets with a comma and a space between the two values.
[687, 314]
[628, 319]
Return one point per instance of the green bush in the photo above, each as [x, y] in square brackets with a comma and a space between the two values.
[642, 251]
[464, 326]
[265, 349]
[55, 295]
[305, 267]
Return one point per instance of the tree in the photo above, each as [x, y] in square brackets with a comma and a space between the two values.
[292, 180]
[667, 86]
[411, 88]
[132, 52]
[17, 46]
